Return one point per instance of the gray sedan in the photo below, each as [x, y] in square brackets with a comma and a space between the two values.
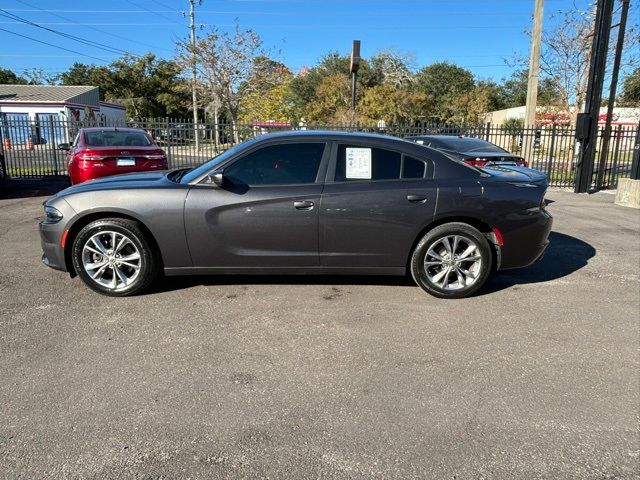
[302, 203]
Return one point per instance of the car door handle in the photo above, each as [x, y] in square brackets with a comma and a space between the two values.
[303, 205]
[417, 198]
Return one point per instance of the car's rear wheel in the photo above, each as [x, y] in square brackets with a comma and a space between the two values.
[114, 257]
[451, 261]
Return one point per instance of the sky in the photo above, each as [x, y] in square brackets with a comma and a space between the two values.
[480, 35]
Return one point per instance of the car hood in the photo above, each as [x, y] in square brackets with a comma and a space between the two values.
[127, 180]
[514, 173]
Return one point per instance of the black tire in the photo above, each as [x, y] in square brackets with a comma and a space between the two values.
[149, 258]
[465, 233]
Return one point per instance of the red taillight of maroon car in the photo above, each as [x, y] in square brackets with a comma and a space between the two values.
[482, 162]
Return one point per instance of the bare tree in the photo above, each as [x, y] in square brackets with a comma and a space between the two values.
[225, 63]
[393, 67]
[566, 51]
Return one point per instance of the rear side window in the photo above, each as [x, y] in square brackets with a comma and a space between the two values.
[363, 163]
[286, 164]
[114, 138]
[413, 168]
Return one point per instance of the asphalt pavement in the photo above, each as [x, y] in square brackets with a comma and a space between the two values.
[327, 377]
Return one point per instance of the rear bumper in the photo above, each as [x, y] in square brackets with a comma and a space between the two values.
[526, 242]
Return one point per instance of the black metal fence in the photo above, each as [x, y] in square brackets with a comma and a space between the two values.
[32, 148]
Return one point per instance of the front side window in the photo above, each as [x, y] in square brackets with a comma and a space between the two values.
[286, 164]
[365, 163]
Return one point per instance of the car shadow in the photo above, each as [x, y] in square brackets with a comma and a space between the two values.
[167, 284]
[565, 255]
[27, 188]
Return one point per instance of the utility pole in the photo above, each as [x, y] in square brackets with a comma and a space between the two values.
[587, 121]
[353, 68]
[194, 96]
[532, 80]
[534, 65]
[604, 144]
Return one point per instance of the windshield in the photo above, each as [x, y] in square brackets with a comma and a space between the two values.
[211, 164]
[465, 144]
[113, 138]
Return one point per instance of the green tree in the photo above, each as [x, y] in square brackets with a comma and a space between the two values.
[37, 76]
[469, 107]
[331, 102]
[147, 86]
[305, 85]
[630, 95]
[83, 74]
[394, 105]
[8, 77]
[443, 81]
[514, 90]
[270, 97]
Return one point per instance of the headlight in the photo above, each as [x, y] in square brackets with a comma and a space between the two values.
[53, 215]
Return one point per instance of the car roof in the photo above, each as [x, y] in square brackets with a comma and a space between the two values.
[111, 129]
[330, 134]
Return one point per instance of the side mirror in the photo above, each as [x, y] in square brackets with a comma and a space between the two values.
[64, 146]
[217, 177]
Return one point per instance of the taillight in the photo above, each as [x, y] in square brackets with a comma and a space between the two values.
[156, 155]
[498, 236]
[476, 162]
[88, 156]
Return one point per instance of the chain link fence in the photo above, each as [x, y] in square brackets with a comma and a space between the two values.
[32, 148]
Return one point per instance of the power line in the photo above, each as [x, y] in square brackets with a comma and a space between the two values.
[306, 27]
[152, 11]
[162, 4]
[54, 46]
[106, 32]
[245, 12]
[91, 43]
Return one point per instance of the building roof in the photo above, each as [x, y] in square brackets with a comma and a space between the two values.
[85, 95]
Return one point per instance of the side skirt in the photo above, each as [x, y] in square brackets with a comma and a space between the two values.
[395, 271]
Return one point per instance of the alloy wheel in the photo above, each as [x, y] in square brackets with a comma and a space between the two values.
[453, 262]
[112, 260]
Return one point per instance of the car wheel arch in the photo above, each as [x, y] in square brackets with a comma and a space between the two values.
[85, 220]
[480, 225]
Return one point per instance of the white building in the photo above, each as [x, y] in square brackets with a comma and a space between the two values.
[621, 115]
[46, 110]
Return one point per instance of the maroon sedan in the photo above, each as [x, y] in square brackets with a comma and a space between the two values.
[100, 152]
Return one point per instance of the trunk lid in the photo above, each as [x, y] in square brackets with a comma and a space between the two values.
[515, 174]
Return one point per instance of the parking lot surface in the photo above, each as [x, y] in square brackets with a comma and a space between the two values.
[327, 377]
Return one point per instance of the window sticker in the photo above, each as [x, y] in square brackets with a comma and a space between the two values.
[420, 142]
[358, 163]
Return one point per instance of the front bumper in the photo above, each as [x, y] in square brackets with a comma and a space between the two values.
[52, 251]
[51, 234]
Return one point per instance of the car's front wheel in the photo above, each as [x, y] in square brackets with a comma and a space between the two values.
[113, 256]
[452, 261]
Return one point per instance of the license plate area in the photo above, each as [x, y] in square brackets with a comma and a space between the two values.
[126, 162]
